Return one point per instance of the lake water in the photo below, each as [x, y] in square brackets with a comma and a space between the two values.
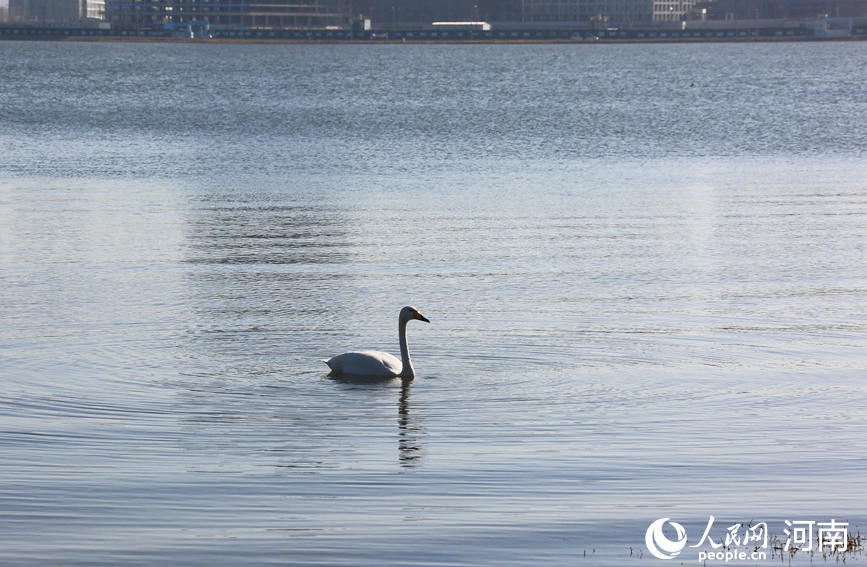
[644, 267]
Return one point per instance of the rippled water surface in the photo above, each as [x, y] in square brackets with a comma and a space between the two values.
[644, 267]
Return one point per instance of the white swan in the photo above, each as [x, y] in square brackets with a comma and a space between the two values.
[379, 364]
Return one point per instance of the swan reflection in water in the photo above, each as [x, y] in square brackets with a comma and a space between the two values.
[409, 431]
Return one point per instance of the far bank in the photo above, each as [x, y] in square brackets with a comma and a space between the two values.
[736, 31]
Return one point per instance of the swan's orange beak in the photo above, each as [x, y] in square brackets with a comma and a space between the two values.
[421, 317]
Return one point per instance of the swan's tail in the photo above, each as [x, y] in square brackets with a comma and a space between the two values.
[334, 370]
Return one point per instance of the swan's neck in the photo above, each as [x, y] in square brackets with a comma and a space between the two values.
[407, 370]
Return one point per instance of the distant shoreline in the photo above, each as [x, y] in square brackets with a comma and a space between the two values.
[751, 31]
[507, 41]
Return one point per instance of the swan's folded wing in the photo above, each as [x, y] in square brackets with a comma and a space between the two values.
[365, 363]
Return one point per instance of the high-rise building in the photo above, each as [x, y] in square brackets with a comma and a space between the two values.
[781, 9]
[56, 11]
[579, 11]
[538, 12]
[93, 9]
[671, 10]
[421, 12]
[230, 14]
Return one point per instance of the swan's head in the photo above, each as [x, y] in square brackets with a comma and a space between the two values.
[408, 313]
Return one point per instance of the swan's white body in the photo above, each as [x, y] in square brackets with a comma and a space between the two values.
[377, 364]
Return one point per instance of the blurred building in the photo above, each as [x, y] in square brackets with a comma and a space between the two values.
[47, 12]
[539, 12]
[93, 9]
[401, 13]
[500, 10]
[578, 11]
[671, 10]
[390, 13]
[778, 9]
[231, 14]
